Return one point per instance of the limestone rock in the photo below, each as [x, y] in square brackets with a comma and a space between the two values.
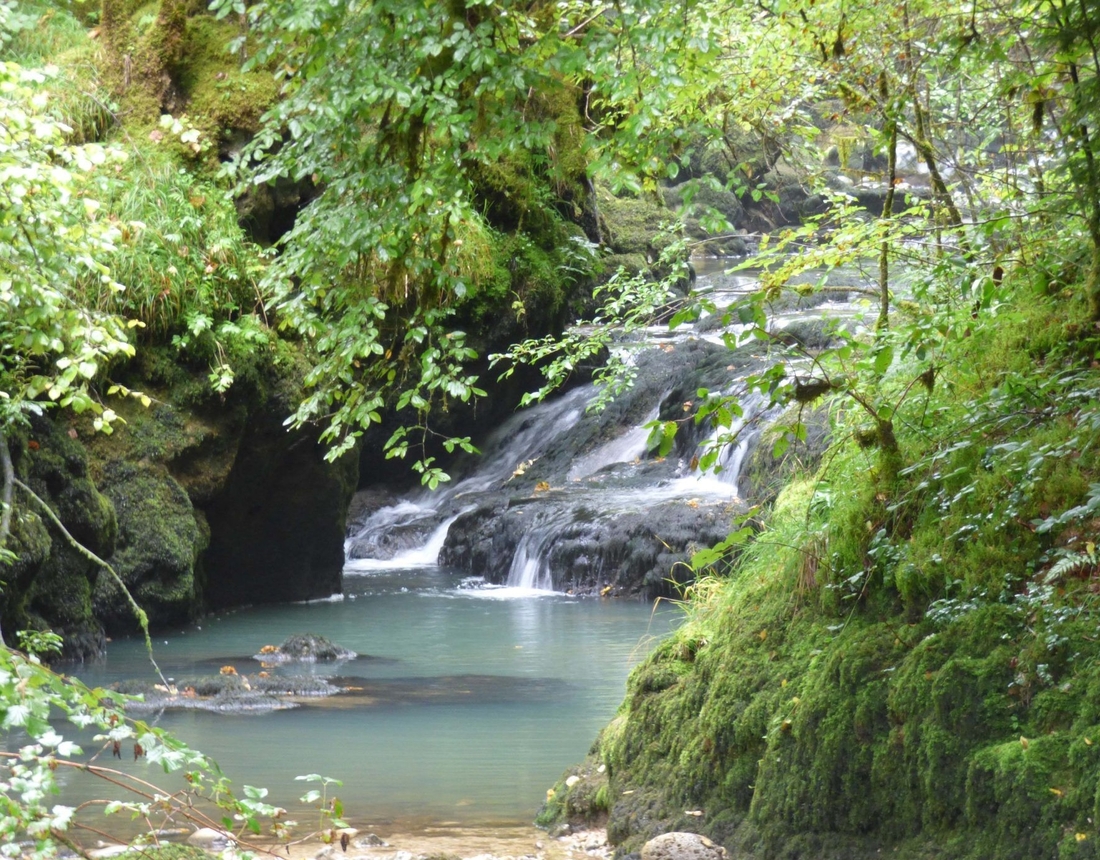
[208, 839]
[371, 840]
[682, 846]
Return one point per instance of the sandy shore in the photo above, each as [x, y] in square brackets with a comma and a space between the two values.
[444, 841]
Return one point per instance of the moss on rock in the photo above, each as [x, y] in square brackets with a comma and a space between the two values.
[159, 544]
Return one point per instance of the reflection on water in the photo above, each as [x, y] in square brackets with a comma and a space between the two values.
[469, 701]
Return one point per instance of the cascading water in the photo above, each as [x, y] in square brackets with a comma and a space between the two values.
[564, 499]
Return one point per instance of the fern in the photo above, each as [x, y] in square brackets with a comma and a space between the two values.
[1072, 563]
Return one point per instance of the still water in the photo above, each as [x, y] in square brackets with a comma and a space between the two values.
[484, 695]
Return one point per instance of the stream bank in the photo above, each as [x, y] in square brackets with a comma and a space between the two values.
[897, 662]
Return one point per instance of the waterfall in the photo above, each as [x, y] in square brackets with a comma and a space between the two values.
[563, 498]
[425, 555]
[411, 532]
[529, 572]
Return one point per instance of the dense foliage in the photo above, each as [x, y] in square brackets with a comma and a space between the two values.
[905, 648]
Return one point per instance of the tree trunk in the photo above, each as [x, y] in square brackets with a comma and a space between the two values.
[883, 321]
[5, 499]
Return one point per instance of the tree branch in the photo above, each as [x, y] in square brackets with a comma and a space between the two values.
[142, 618]
[5, 498]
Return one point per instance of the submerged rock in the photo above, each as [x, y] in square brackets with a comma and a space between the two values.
[209, 839]
[225, 693]
[305, 648]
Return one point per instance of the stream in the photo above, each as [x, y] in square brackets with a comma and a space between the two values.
[478, 698]
[480, 675]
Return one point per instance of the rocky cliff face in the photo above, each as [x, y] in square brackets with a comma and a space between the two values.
[196, 502]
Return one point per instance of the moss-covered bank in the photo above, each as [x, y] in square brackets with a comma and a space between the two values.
[899, 663]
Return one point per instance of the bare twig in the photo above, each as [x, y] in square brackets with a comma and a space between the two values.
[143, 619]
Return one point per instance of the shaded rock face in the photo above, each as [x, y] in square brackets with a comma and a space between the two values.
[51, 584]
[160, 541]
[195, 504]
[277, 528]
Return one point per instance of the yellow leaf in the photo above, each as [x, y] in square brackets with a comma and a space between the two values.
[145, 401]
[542, 486]
[1080, 837]
[763, 634]
[783, 683]
[1088, 742]
[1057, 792]
[1023, 742]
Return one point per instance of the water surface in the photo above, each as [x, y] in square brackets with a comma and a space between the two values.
[475, 699]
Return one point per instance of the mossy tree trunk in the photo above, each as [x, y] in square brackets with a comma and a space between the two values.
[144, 63]
[5, 498]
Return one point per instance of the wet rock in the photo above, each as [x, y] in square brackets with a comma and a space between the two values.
[209, 839]
[305, 648]
[682, 846]
[108, 851]
[225, 693]
[371, 840]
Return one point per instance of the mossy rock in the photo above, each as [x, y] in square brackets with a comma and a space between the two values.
[50, 584]
[222, 100]
[633, 224]
[581, 798]
[159, 543]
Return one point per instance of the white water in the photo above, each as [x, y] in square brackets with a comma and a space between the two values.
[628, 447]
[421, 556]
[529, 573]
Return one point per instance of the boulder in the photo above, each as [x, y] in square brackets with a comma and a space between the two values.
[682, 846]
[209, 839]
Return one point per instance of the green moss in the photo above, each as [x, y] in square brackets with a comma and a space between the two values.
[166, 851]
[159, 544]
[891, 665]
[221, 99]
[632, 223]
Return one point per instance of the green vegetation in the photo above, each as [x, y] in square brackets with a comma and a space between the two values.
[909, 661]
[900, 653]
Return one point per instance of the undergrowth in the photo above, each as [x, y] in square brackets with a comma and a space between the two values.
[901, 660]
